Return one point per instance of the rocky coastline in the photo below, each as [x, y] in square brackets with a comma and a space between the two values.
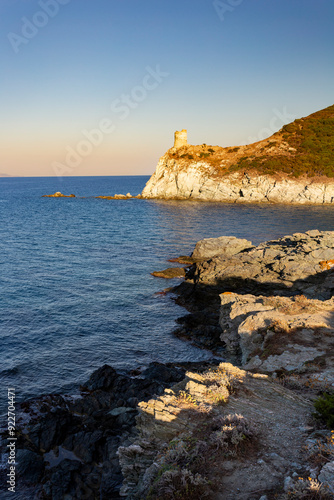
[269, 308]
[294, 166]
[176, 179]
[244, 428]
[67, 445]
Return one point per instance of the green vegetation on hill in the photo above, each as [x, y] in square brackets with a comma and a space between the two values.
[313, 155]
[324, 406]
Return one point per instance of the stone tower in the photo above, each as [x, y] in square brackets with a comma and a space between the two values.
[180, 139]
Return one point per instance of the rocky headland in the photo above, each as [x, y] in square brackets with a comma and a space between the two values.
[295, 165]
[251, 428]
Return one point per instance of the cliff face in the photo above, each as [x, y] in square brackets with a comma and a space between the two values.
[173, 180]
[295, 165]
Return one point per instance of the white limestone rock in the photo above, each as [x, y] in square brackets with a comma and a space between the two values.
[179, 179]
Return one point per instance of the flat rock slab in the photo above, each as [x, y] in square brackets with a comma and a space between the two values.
[275, 333]
[171, 272]
[298, 262]
[225, 245]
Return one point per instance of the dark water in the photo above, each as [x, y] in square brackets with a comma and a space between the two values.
[75, 274]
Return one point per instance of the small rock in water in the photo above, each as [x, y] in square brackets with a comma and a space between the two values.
[58, 194]
[171, 272]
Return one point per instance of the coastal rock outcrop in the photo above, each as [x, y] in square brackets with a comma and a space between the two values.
[294, 165]
[279, 333]
[270, 306]
[127, 196]
[176, 179]
[225, 245]
[298, 263]
[66, 445]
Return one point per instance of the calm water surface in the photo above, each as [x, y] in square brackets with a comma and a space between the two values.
[75, 274]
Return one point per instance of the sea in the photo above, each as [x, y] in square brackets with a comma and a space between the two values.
[76, 288]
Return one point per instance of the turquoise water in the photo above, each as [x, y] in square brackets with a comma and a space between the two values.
[75, 274]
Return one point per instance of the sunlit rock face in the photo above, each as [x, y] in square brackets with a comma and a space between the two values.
[178, 179]
[237, 174]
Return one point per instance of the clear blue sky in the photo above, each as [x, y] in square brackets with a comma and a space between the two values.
[230, 72]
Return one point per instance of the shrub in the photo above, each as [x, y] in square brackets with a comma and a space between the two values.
[307, 489]
[290, 128]
[184, 399]
[313, 143]
[324, 407]
[179, 484]
[233, 430]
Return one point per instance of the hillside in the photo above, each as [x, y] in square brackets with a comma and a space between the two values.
[294, 165]
[303, 147]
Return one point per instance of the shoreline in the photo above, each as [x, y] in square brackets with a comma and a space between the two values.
[278, 330]
[194, 199]
[116, 410]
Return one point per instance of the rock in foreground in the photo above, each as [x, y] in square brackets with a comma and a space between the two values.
[222, 434]
[280, 333]
[229, 433]
[67, 446]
